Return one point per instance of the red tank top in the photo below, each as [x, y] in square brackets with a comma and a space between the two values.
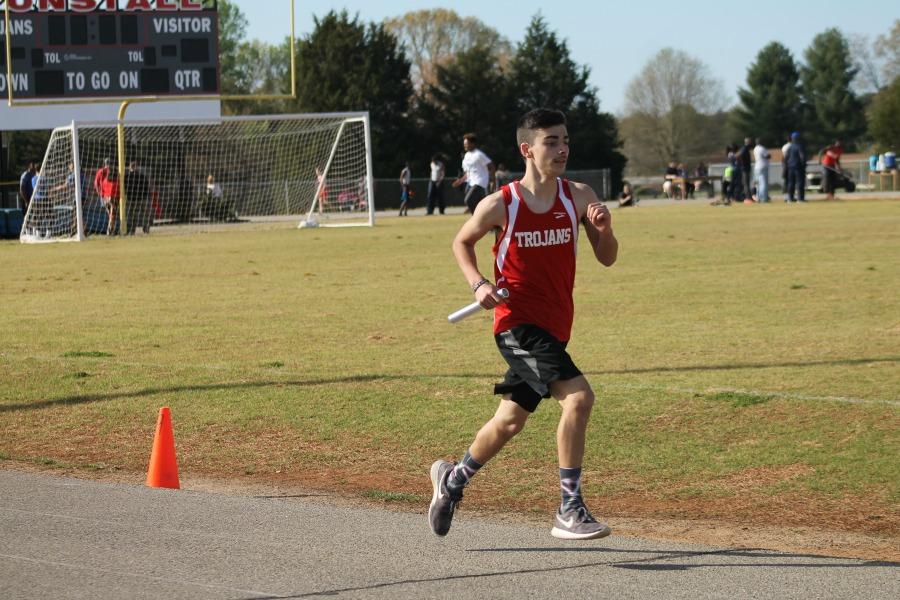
[534, 258]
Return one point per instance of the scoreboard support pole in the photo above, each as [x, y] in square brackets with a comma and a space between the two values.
[120, 141]
[120, 128]
[4, 157]
[9, 87]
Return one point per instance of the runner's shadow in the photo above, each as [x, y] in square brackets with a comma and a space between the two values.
[643, 563]
[279, 497]
[647, 564]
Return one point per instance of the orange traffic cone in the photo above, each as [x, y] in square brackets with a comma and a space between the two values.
[163, 469]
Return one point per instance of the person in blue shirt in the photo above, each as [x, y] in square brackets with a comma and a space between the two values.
[26, 186]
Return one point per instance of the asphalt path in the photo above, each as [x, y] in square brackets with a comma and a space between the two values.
[70, 538]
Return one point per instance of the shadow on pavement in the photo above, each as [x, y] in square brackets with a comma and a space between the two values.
[648, 563]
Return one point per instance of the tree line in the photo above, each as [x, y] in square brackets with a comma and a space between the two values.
[845, 88]
[426, 78]
[429, 76]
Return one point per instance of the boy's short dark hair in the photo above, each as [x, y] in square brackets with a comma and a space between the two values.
[539, 118]
[471, 137]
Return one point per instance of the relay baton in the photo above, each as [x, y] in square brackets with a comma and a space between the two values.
[473, 308]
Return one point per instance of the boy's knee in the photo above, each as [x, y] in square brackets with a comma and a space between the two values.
[508, 428]
[580, 402]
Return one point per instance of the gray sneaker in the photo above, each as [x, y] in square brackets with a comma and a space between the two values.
[578, 524]
[440, 512]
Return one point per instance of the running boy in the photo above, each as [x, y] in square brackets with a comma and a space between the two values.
[538, 220]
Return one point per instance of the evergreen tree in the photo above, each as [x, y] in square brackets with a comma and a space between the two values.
[344, 65]
[232, 31]
[834, 111]
[770, 107]
[25, 147]
[884, 125]
[543, 74]
[470, 94]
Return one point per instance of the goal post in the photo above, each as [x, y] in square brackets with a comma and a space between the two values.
[45, 219]
[204, 175]
[365, 189]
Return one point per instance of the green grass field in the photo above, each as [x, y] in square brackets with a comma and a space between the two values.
[746, 360]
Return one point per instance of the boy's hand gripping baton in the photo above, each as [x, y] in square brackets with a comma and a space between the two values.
[473, 308]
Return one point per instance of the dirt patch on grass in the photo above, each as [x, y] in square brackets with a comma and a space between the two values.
[762, 476]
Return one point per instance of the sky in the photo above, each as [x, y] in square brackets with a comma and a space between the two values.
[615, 39]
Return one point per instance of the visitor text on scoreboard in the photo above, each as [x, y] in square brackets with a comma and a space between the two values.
[109, 48]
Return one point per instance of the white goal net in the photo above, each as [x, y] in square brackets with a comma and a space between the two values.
[186, 176]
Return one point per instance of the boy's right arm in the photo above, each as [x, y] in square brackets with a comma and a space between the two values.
[489, 214]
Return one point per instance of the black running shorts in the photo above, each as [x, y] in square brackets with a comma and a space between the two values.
[536, 359]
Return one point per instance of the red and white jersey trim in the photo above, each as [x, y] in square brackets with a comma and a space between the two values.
[570, 208]
[513, 212]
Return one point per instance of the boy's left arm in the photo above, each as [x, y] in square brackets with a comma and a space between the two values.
[597, 224]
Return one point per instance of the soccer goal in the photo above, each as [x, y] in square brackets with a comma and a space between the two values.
[186, 176]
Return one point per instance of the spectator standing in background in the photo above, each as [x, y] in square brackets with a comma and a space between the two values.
[701, 173]
[743, 164]
[729, 176]
[669, 186]
[626, 198]
[321, 188]
[685, 178]
[46, 224]
[831, 164]
[796, 166]
[478, 171]
[405, 181]
[216, 206]
[26, 186]
[761, 171]
[70, 183]
[106, 184]
[784, 169]
[137, 198]
[436, 186]
[502, 176]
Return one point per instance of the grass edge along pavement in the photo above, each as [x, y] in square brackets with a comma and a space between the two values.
[723, 347]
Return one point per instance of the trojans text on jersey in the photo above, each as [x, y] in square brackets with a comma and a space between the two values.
[547, 237]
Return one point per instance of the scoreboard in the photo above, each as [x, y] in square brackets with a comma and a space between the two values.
[64, 49]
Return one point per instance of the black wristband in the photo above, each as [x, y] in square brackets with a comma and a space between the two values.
[479, 283]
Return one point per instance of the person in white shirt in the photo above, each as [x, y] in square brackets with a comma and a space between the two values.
[436, 186]
[478, 171]
[784, 169]
[405, 181]
[216, 207]
[761, 171]
[213, 189]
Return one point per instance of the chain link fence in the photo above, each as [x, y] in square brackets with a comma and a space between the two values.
[387, 191]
